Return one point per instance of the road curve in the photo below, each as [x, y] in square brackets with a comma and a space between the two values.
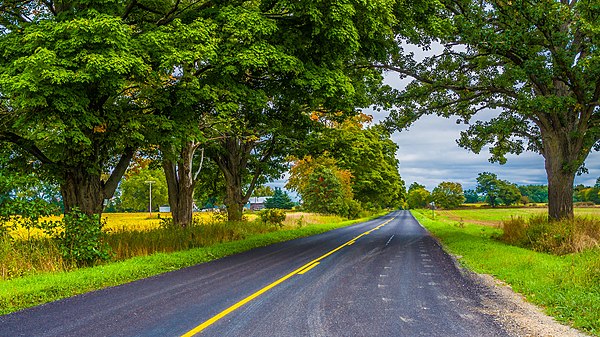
[385, 277]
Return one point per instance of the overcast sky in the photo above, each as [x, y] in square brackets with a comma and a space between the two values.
[428, 154]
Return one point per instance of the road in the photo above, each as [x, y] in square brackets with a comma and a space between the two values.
[385, 277]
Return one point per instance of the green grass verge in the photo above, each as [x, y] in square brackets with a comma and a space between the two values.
[567, 287]
[20, 293]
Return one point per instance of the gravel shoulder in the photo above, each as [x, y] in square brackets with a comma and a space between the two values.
[517, 316]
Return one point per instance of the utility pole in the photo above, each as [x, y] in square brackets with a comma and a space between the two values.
[150, 182]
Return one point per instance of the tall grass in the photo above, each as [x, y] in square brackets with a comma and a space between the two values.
[556, 237]
[137, 234]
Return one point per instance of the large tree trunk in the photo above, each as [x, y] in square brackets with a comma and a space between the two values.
[82, 190]
[180, 183]
[560, 169]
[232, 160]
[234, 201]
[86, 191]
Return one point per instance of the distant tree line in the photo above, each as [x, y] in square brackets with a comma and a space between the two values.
[493, 191]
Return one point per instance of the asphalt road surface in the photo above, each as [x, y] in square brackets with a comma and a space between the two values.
[385, 277]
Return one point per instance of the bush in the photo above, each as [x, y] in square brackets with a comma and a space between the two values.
[556, 237]
[272, 216]
[81, 239]
[354, 209]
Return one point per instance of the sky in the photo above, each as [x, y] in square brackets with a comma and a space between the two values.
[428, 154]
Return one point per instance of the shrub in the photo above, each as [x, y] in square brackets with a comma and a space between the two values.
[354, 209]
[81, 239]
[556, 237]
[272, 216]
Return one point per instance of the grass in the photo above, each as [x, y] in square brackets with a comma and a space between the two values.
[495, 216]
[567, 287]
[27, 291]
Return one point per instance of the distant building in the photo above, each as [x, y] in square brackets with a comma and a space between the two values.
[256, 203]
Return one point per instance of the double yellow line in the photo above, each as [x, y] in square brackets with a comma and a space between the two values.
[300, 271]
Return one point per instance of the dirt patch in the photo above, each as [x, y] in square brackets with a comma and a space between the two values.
[517, 316]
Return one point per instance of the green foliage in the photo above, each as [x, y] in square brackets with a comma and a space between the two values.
[509, 194]
[324, 187]
[448, 195]
[418, 197]
[471, 197]
[272, 216]
[280, 200]
[263, 191]
[136, 192]
[497, 191]
[487, 184]
[370, 156]
[81, 239]
[535, 64]
[535, 193]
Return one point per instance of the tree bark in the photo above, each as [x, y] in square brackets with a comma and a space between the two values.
[561, 166]
[82, 190]
[234, 202]
[86, 191]
[180, 183]
[232, 160]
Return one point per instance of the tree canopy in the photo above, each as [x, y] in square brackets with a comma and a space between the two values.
[536, 64]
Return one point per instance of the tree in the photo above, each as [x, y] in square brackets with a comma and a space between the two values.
[280, 200]
[535, 63]
[535, 193]
[136, 190]
[368, 153]
[448, 195]
[274, 64]
[487, 184]
[418, 197]
[69, 80]
[324, 187]
[263, 191]
[508, 193]
[471, 196]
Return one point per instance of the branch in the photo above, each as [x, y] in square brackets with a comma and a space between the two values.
[109, 187]
[201, 164]
[27, 145]
[258, 171]
[128, 10]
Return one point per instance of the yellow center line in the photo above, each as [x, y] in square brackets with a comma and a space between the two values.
[308, 266]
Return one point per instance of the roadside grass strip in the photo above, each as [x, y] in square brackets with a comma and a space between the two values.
[566, 287]
[21, 293]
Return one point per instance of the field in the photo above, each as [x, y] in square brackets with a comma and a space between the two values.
[567, 287]
[495, 216]
[29, 252]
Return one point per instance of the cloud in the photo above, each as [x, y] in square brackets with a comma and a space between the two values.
[428, 154]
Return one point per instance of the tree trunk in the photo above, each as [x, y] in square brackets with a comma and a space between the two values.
[232, 160]
[234, 202]
[560, 169]
[180, 183]
[82, 190]
[87, 191]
